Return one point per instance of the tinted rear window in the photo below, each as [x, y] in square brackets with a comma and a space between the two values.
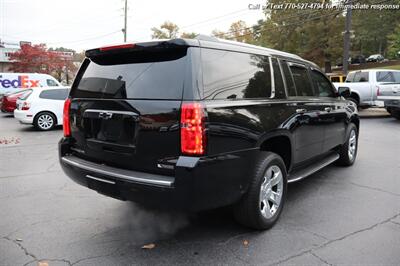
[302, 81]
[233, 75]
[289, 80]
[59, 94]
[137, 75]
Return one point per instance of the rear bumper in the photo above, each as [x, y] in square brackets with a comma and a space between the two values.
[23, 116]
[197, 183]
[391, 101]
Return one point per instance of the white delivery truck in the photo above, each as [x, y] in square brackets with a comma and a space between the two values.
[10, 82]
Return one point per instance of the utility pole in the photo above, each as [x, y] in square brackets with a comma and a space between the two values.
[347, 34]
[125, 19]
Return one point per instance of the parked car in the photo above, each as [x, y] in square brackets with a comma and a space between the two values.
[42, 107]
[364, 85]
[197, 124]
[336, 77]
[12, 82]
[357, 59]
[391, 94]
[9, 100]
[375, 58]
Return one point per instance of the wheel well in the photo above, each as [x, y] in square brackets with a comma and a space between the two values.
[55, 117]
[281, 146]
[356, 97]
[356, 122]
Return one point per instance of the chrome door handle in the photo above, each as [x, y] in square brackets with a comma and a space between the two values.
[328, 109]
[300, 111]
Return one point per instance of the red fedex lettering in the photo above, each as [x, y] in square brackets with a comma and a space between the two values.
[23, 81]
[34, 83]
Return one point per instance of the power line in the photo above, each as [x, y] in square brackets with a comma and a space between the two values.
[87, 39]
[214, 18]
[295, 23]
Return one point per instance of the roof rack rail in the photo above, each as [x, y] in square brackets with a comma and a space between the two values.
[203, 37]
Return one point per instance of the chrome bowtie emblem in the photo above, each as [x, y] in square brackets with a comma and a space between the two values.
[105, 115]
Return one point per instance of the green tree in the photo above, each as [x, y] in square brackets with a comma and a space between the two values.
[167, 30]
[312, 34]
[394, 43]
[371, 29]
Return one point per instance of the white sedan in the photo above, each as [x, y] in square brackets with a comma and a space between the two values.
[42, 107]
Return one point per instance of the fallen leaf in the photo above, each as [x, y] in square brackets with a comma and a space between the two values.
[149, 246]
[43, 263]
[246, 243]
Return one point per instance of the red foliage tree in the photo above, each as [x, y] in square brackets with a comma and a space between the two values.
[37, 59]
[31, 58]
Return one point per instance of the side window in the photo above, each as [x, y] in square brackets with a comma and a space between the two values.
[385, 76]
[350, 77]
[302, 81]
[279, 87]
[322, 84]
[335, 79]
[289, 80]
[51, 83]
[232, 75]
[59, 94]
[361, 76]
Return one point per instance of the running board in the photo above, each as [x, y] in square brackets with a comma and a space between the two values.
[303, 173]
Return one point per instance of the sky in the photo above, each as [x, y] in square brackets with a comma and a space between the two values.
[84, 24]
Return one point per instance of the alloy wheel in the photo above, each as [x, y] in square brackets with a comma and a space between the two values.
[271, 191]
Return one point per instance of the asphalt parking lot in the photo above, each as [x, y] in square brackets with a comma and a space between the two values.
[337, 216]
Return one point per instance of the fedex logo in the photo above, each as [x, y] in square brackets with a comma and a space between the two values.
[20, 82]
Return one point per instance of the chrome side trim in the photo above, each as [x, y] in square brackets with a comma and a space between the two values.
[100, 179]
[313, 168]
[111, 111]
[121, 174]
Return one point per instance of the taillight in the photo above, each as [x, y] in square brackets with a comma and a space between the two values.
[25, 106]
[378, 92]
[193, 134]
[66, 124]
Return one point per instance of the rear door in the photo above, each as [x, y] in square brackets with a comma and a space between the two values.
[333, 116]
[125, 108]
[307, 110]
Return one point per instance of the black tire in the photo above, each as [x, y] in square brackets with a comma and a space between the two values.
[354, 101]
[348, 151]
[249, 211]
[396, 114]
[45, 121]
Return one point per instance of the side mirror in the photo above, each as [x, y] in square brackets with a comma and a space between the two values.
[344, 92]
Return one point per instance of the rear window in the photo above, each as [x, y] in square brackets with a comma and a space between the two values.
[289, 79]
[59, 94]
[302, 81]
[335, 79]
[134, 75]
[388, 76]
[233, 75]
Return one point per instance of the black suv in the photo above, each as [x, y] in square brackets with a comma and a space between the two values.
[197, 124]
